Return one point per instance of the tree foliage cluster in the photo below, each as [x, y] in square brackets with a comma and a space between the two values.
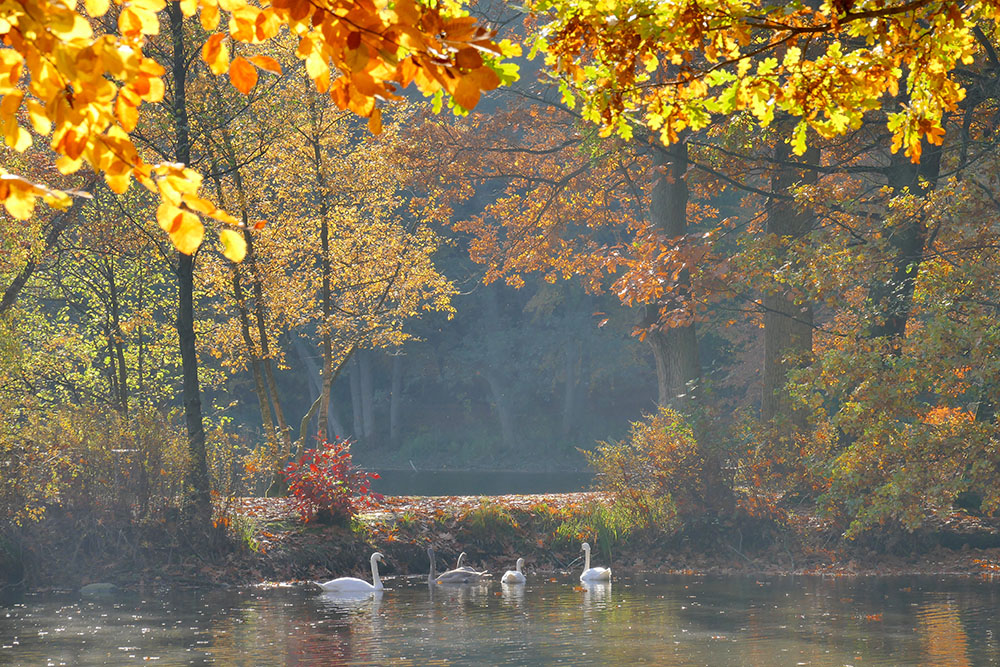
[791, 207]
[798, 203]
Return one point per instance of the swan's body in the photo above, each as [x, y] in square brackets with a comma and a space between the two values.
[593, 573]
[353, 584]
[464, 576]
[514, 576]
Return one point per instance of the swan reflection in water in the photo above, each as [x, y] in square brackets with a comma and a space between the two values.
[512, 594]
[355, 602]
[348, 628]
[596, 594]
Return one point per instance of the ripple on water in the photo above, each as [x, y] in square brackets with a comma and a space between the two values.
[717, 621]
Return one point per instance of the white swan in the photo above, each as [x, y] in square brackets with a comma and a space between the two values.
[593, 573]
[514, 576]
[353, 584]
[467, 576]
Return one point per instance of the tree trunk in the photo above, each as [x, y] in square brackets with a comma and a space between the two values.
[357, 412]
[60, 221]
[892, 299]
[260, 306]
[496, 378]
[502, 405]
[788, 326]
[571, 389]
[118, 337]
[395, 399]
[367, 398]
[675, 349]
[255, 366]
[199, 498]
[263, 401]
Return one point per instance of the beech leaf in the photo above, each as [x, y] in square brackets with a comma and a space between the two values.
[243, 75]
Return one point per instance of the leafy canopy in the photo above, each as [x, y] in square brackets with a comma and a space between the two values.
[84, 90]
[672, 66]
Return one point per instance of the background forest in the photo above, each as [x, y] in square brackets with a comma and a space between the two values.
[768, 279]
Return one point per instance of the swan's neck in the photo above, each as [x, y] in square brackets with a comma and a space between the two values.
[375, 578]
[518, 566]
[430, 577]
[586, 559]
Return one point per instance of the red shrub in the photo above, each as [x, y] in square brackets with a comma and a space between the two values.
[324, 484]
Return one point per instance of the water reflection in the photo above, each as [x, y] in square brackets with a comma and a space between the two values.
[944, 639]
[353, 601]
[596, 594]
[653, 620]
[513, 594]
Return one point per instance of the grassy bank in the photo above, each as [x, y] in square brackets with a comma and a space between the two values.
[263, 539]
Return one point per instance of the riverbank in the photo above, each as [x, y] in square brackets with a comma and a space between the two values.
[262, 539]
[547, 529]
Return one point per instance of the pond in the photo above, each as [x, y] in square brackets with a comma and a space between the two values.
[661, 620]
[478, 482]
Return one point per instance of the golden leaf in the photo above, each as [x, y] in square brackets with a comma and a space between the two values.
[215, 53]
[209, 16]
[39, 121]
[267, 64]
[375, 121]
[128, 114]
[96, 8]
[234, 247]
[243, 75]
[188, 232]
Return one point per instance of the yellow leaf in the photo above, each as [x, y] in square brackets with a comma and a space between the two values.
[69, 27]
[205, 207]
[209, 16]
[243, 75]
[375, 121]
[215, 53]
[19, 201]
[11, 103]
[128, 114]
[174, 186]
[356, 59]
[234, 247]
[267, 64]
[166, 214]
[96, 8]
[36, 113]
[188, 232]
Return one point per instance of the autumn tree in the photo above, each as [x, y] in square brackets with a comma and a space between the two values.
[330, 255]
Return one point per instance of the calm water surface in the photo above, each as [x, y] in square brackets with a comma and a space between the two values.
[714, 621]
[478, 483]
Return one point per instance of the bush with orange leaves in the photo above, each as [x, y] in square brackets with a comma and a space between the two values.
[656, 475]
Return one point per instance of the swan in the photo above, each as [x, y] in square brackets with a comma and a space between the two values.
[514, 576]
[353, 584]
[459, 566]
[468, 576]
[593, 573]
